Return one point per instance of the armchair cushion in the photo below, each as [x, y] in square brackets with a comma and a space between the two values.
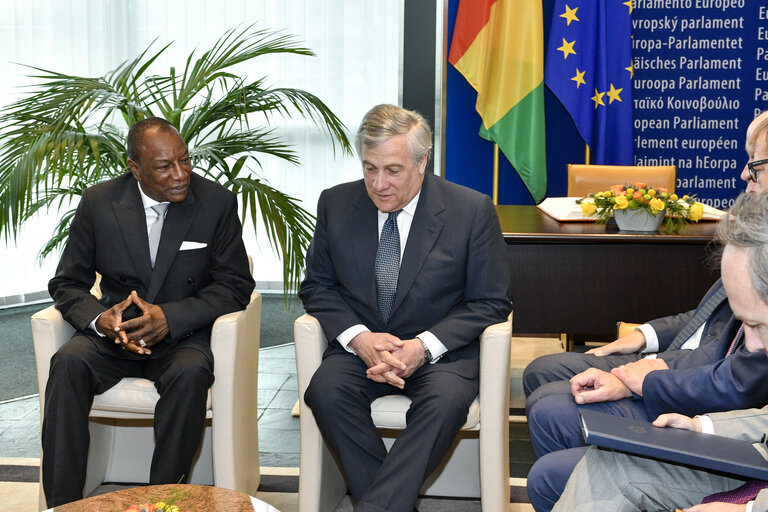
[131, 394]
[389, 412]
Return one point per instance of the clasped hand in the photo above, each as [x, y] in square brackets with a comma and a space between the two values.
[151, 327]
[389, 359]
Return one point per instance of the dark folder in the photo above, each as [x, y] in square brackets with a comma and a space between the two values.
[705, 451]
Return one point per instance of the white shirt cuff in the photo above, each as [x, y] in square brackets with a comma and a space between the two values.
[750, 504]
[436, 348]
[707, 426]
[345, 337]
[92, 325]
[651, 340]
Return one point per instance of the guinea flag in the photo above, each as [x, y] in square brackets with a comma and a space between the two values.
[498, 46]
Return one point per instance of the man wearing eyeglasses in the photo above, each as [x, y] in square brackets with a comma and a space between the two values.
[622, 382]
[757, 149]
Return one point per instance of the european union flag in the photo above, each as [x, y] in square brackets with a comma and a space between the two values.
[589, 68]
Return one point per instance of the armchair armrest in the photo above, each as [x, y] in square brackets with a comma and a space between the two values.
[310, 344]
[49, 332]
[494, 411]
[235, 346]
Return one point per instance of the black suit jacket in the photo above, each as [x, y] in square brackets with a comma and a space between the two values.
[108, 235]
[454, 274]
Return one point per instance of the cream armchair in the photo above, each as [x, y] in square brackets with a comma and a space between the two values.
[476, 466]
[120, 425]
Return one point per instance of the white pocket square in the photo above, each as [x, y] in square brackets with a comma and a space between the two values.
[187, 245]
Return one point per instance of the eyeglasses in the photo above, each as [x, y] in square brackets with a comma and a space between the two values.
[752, 171]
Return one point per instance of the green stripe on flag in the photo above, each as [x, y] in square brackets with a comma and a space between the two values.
[520, 136]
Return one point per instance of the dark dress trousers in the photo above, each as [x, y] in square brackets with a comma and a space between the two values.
[193, 287]
[699, 381]
[453, 282]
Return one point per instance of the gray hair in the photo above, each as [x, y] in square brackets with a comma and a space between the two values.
[758, 133]
[746, 226]
[383, 122]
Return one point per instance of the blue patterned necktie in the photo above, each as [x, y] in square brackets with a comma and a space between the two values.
[387, 266]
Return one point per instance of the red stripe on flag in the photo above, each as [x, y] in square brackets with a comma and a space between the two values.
[471, 17]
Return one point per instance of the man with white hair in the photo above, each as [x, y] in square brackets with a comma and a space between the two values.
[404, 273]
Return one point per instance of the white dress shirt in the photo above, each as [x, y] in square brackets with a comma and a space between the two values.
[150, 215]
[404, 221]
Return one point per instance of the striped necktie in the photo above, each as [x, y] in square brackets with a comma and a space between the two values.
[699, 318]
[387, 266]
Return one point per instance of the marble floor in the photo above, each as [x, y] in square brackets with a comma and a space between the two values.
[278, 438]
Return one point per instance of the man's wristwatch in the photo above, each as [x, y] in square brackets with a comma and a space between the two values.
[427, 353]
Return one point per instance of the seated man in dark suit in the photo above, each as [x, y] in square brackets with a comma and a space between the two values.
[607, 480]
[168, 246]
[393, 327]
[667, 335]
[719, 376]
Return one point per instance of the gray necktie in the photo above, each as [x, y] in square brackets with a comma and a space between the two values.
[155, 230]
[699, 318]
[387, 266]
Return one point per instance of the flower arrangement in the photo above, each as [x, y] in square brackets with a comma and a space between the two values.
[640, 196]
[164, 504]
[160, 506]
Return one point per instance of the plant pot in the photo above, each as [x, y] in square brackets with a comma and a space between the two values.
[638, 220]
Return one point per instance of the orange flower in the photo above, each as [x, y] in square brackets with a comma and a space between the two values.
[639, 184]
[637, 195]
[617, 189]
[146, 507]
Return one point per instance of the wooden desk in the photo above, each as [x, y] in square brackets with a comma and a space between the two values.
[582, 277]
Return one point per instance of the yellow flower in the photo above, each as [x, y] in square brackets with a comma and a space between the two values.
[656, 204]
[621, 203]
[588, 209]
[696, 212]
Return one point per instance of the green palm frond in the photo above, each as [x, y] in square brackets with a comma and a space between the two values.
[68, 133]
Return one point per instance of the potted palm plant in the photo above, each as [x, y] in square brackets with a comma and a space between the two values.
[69, 134]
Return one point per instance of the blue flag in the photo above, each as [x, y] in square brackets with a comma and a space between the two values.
[589, 68]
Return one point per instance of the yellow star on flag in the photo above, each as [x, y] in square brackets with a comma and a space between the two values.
[630, 4]
[598, 98]
[579, 78]
[567, 48]
[570, 14]
[631, 70]
[614, 94]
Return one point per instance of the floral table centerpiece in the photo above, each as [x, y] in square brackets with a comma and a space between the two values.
[646, 204]
[164, 504]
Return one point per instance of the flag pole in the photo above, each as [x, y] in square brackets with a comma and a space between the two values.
[495, 174]
[587, 154]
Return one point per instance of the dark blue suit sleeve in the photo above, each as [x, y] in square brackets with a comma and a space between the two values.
[486, 289]
[320, 288]
[667, 328]
[736, 382]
